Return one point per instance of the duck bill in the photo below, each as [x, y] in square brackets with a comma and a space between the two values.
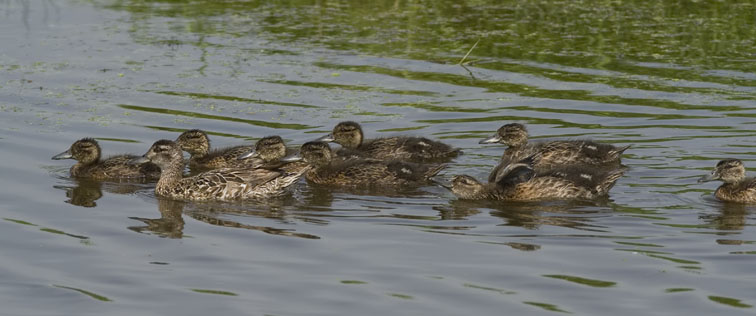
[708, 177]
[291, 158]
[491, 140]
[138, 160]
[250, 154]
[64, 155]
[328, 138]
[443, 184]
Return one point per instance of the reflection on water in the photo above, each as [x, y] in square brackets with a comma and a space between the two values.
[532, 215]
[171, 221]
[731, 216]
[84, 192]
[214, 215]
[170, 224]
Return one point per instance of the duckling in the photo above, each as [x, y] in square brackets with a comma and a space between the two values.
[87, 153]
[521, 183]
[553, 153]
[415, 149]
[360, 172]
[197, 144]
[269, 151]
[221, 184]
[736, 187]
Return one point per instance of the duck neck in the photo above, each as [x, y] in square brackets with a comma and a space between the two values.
[81, 166]
[170, 175]
[198, 154]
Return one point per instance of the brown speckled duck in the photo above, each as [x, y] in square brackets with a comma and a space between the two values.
[520, 182]
[736, 187]
[87, 152]
[269, 151]
[197, 144]
[361, 172]
[415, 149]
[221, 184]
[553, 153]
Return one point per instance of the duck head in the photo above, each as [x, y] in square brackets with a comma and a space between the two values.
[513, 134]
[85, 150]
[163, 153]
[348, 134]
[268, 148]
[194, 141]
[727, 170]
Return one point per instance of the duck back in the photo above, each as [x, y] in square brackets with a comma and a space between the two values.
[372, 172]
[224, 158]
[116, 167]
[741, 192]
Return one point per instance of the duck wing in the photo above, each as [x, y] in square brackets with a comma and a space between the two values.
[225, 184]
[118, 167]
[226, 157]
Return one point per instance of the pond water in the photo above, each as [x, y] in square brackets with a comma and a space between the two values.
[674, 79]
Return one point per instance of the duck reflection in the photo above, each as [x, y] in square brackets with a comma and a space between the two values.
[319, 196]
[732, 216]
[169, 225]
[211, 213]
[84, 192]
[532, 215]
[171, 221]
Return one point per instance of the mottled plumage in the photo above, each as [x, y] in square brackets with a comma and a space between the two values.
[268, 152]
[416, 149]
[197, 144]
[87, 152]
[520, 182]
[553, 153]
[221, 184]
[736, 187]
[362, 172]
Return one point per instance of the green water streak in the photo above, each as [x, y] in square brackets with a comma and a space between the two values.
[729, 301]
[214, 117]
[583, 281]
[215, 292]
[87, 293]
[196, 95]
[548, 307]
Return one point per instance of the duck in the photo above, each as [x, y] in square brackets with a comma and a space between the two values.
[552, 153]
[736, 187]
[89, 164]
[269, 151]
[227, 184]
[197, 144]
[360, 172]
[521, 182]
[349, 135]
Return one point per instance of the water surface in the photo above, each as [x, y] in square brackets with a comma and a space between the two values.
[676, 80]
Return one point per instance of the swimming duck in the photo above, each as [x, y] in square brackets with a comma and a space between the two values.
[221, 184]
[197, 144]
[87, 153]
[521, 183]
[360, 172]
[553, 153]
[416, 149]
[269, 151]
[736, 187]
